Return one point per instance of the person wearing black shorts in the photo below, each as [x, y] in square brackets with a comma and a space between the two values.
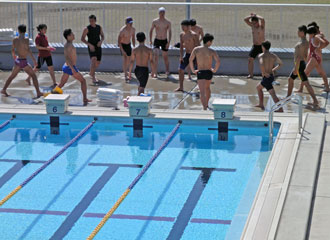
[44, 53]
[95, 37]
[267, 62]
[125, 38]
[257, 24]
[204, 56]
[300, 55]
[143, 56]
[162, 41]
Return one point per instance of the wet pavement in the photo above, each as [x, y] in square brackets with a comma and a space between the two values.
[161, 90]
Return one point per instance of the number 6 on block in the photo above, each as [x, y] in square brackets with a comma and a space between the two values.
[55, 109]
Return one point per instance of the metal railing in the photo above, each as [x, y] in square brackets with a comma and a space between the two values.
[281, 104]
[223, 20]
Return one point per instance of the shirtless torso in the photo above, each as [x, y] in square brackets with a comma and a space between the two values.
[161, 26]
[126, 34]
[142, 55]
[267, 62]
[258, 34]
[189, 40]
[301, 50]
[22, 47]
[199, 31]
[70, 54]
[204, 57]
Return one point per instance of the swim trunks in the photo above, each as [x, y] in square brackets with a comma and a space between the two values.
[160, 44]
[204, 74]
[255, 51]
[97, 53]
[127, 48]
[268, 82]
[21, 62]
[312, 52]
[42, 60]
[66, 69]
[301, 72]
[142, 74]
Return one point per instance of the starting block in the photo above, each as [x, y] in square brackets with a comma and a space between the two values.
[57, 103]
[139, 106]
[223, 108]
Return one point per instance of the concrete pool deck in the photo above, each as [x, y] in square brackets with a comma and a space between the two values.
[293, 198]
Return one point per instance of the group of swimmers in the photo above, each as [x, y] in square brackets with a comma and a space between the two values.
[194, 57]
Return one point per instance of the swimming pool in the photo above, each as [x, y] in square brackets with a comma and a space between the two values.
[201, 186]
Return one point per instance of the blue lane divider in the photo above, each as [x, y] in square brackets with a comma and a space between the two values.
[66, 146]
[4, 124]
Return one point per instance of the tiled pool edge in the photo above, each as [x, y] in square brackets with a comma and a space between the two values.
[288, 124]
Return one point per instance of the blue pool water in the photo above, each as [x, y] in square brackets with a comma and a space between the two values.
[198, 187]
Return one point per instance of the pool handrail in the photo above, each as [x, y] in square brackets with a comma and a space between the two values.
[66, 146]
[134, 182]
[279, 105]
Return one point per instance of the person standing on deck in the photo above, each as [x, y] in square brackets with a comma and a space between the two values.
[257, 24]
[162, 27]
[95, 37]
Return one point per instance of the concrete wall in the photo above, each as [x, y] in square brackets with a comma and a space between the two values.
[233, 60]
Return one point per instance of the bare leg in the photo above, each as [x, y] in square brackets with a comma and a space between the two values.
[166, 61]
[28, 69]
[207, 91]
[52, 74]
[140, 90]
[82, 80]
[189, 73]
[93, 68]
[64, 79]
[13, 74]
[275, 98]
[201, 84]
[311, 92]
[261, 97]
[301, 88]
[250, 67]
[322, 73]
[290, 86]
[128, 60]
[181, 79]
[28, 79]
[154, 66]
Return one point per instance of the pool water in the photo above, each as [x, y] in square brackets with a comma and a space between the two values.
[199, 187]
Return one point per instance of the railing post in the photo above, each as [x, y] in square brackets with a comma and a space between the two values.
[281, 24]
[30, 20]
[61, 22]
[103, 23]
[300, 113]
[18, 13]
[188, 9]
[236, 29]
[327, 33]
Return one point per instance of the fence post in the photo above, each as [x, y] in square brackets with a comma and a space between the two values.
[236, 29]
[103, 24]
[327, 33]
[281, 25]
[188, 9]
[19, 14]
[61, 23]
[30, 20]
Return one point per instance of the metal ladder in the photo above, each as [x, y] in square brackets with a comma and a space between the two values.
[280, 104]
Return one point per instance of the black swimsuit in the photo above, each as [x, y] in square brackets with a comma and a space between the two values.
[205, 74]
[93, 38]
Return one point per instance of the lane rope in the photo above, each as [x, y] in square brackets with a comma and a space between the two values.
[66, 146]
[4, 124]
[135, 181]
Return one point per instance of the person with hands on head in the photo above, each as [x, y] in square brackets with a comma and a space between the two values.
[257, 24]
[21, 45]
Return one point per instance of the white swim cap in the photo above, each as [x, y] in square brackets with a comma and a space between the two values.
[161, 9]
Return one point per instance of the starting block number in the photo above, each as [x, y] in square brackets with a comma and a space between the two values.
[223, 114]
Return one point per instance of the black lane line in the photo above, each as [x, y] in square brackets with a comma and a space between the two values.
[212, 169]
[186, 212]
[78, 211]
[116, 165]
[16, 160]
[12, 172]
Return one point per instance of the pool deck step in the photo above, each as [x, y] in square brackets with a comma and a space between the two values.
[321, 214]
[295, 215]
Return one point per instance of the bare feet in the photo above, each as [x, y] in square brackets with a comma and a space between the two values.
[326, 90]
[298, 91]
[279, 110]
[314, 105]
[86, 101]
[260, 106]
[167, 74]
[154, 75]
[178, 90]
[5, 93]
[250, 76]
